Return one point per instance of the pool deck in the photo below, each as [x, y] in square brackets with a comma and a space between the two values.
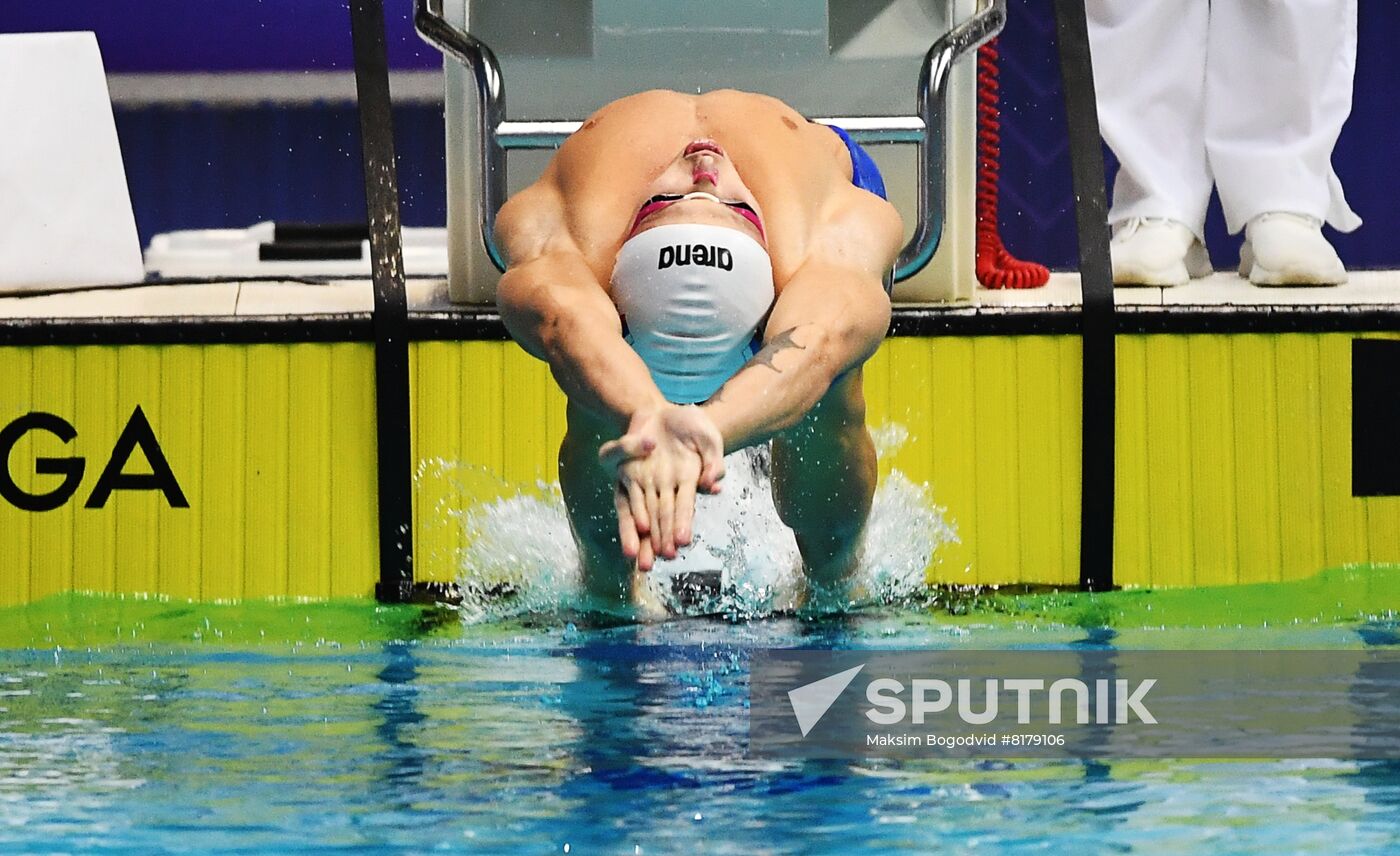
[341, 308]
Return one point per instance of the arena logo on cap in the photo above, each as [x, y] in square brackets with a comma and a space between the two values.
[682, 255]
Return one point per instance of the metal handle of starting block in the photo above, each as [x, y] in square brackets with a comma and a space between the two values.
[931, 200]
[490, 178]
[927, 129]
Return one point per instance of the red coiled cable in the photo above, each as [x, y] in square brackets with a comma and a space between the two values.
[996, 267]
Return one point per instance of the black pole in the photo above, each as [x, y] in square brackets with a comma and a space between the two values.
[1096, 278]
[395, 456]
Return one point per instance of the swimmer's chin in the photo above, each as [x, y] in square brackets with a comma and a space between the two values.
[701, 212]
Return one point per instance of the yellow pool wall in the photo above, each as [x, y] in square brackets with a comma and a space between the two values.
[1233, 459]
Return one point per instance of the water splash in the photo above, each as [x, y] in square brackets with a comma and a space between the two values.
[521, 557]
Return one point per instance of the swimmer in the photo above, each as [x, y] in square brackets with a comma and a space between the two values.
[704, 273]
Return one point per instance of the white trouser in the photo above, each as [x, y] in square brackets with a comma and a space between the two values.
[1248, 95]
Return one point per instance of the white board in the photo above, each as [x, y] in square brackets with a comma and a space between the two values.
[63, 196]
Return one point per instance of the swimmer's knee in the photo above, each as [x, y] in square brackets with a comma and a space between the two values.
[844, 402]
[820, 512]
[839, 415]
[606, 572]
[597, 532]
[830, 532]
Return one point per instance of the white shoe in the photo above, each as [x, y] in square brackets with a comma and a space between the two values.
[1288, 249]
[1157, 251]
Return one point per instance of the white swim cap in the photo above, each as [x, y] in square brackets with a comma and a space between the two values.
[692, 298]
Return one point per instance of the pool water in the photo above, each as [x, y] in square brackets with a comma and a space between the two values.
[141, 726]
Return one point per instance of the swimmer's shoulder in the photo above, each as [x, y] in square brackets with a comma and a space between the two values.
[715, 98]
[531, 224]
[744, 101]
[860, 227]
[650, 106]
[621, 130]
[719, 106]
[751, 112]
[792, 137]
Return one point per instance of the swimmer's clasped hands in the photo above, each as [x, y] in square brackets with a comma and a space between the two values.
[668, 454]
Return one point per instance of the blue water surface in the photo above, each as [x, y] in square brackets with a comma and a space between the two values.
[548, 738]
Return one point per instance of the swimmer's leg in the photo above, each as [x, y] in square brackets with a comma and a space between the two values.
[824, 473]
[589, 498]
[610, 579]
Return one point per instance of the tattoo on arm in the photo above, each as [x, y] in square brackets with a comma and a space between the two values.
[779, 343]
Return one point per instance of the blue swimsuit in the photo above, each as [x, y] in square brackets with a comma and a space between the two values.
[864, 173]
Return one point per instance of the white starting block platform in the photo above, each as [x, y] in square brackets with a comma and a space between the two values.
[322, 291]
[293, 250]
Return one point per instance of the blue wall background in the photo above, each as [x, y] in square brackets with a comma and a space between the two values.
[221, 35]
[205, 167]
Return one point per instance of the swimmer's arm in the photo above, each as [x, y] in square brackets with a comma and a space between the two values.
[827, 321]
[555, 308]
[557, 312]
[830, 317]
